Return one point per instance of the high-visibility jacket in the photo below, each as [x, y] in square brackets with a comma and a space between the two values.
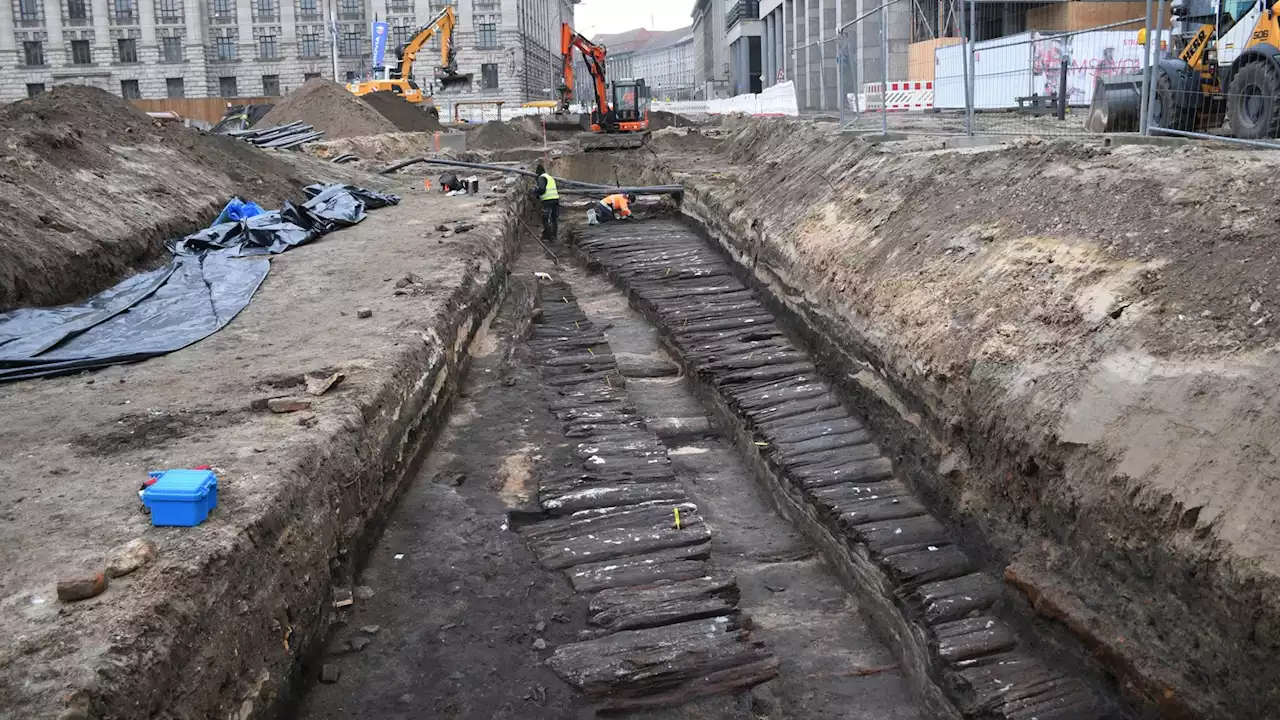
[618, 202]
[551, 192]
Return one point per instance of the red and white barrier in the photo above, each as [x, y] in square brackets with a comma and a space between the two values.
[912, 95]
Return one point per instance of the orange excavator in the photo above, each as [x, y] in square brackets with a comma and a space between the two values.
[620, 122]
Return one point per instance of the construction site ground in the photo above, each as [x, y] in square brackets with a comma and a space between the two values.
[1067, 352]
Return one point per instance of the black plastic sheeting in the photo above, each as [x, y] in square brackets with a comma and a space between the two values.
[208, 282]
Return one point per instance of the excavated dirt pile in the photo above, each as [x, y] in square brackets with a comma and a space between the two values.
[329, 107]
[504, 135]
[1074, 352]
[90, 188]
[401, 113]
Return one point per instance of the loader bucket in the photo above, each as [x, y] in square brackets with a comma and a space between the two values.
[566, 121]
[1116, 104]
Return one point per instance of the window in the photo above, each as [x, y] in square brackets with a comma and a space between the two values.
[309, 76]
[77, 12]
[128, 49]
[308, 10]
[271, 85]
[268, 48]
[225, 48]
[176, 88]
[224, 9]
[400, 35]
[170, 11]
[33, 53]
[227, 87]
[351, 9]
[129, 90]
[124, 14]
[350, 44]
[80, 53]
[487, 35]
[34, 89]
[266, 9]
[489, 76]
[29, 12]
[310, 45]
[171, 49]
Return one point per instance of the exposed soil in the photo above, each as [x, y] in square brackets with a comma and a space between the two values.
[90, 188]
[402, 114]
[504, 135]
[328, 106]
[1074, 347]
[661, 119]
[244, 597]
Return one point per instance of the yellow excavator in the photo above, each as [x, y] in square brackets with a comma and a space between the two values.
[1223, 61]
[397, 77]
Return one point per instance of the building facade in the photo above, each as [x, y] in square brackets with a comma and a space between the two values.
[711, 48]
[666, 64]
[249, 48]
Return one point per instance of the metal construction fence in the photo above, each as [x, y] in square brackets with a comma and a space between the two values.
[1199, 76]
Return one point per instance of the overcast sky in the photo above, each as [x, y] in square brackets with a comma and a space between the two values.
[614, 16]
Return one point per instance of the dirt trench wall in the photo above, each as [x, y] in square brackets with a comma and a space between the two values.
[258, 613]
[1068, 350]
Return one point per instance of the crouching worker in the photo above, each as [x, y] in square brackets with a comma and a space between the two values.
[613, 207]
[545, 190]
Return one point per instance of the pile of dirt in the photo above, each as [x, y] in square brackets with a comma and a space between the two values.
[661, 119]
[404, 115]
[329, 107]
[503, 135]
[90, 188]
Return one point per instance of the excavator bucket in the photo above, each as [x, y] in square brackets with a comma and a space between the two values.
[567, 121]
[602, 142]
[1116, 104]
[455, 81]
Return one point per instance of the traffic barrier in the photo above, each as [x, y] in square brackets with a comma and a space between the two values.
[911, 95]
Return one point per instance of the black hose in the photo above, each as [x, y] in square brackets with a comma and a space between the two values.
[494, 168]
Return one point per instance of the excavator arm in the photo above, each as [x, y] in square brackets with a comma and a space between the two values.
[594, 56]
[447, 71]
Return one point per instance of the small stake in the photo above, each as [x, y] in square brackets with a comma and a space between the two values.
[593, 352]
[677, 518]
[565, 299]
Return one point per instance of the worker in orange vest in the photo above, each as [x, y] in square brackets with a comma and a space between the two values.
[613, 207]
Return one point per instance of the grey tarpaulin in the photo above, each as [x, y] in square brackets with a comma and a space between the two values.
[203, 287]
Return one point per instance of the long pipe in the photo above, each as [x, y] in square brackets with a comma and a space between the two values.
[648, 190]
[486, 166]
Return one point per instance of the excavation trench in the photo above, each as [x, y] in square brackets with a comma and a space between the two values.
[537, 565]
[482, 601]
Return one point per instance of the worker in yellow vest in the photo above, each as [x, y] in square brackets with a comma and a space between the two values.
[549, 194]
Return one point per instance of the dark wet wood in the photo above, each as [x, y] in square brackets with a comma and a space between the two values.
[666, 665]
[946, 600]
[972, 637]
[664, 603]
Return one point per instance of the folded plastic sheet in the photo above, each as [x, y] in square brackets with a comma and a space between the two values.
[207, 283]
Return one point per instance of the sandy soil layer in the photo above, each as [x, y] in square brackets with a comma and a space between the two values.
[239, 600]
[1075, 349]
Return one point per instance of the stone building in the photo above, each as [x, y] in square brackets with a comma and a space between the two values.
[248, 48]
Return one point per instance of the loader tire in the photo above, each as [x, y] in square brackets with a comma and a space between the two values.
[1166, 112]
[1253, 101]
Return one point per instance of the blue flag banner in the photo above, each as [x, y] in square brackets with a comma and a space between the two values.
[379, 43]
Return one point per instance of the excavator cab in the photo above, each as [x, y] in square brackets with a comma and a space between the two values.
[630, 107]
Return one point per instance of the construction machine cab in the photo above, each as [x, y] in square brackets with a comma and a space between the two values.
[630, 101]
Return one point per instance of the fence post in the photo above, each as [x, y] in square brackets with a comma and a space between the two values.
[1153, 43]
[973, 65]
[884, 66]
[1062, 86]
[1146, 74]
[840, 52]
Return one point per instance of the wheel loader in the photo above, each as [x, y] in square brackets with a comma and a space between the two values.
[1222, 61]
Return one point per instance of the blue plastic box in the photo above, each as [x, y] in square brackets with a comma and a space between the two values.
[181, 498]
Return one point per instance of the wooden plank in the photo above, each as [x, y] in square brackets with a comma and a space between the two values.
[680, 563]
[674, 663]
[895, 536]
[972, 637]
[946, 600]
[664, 603]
